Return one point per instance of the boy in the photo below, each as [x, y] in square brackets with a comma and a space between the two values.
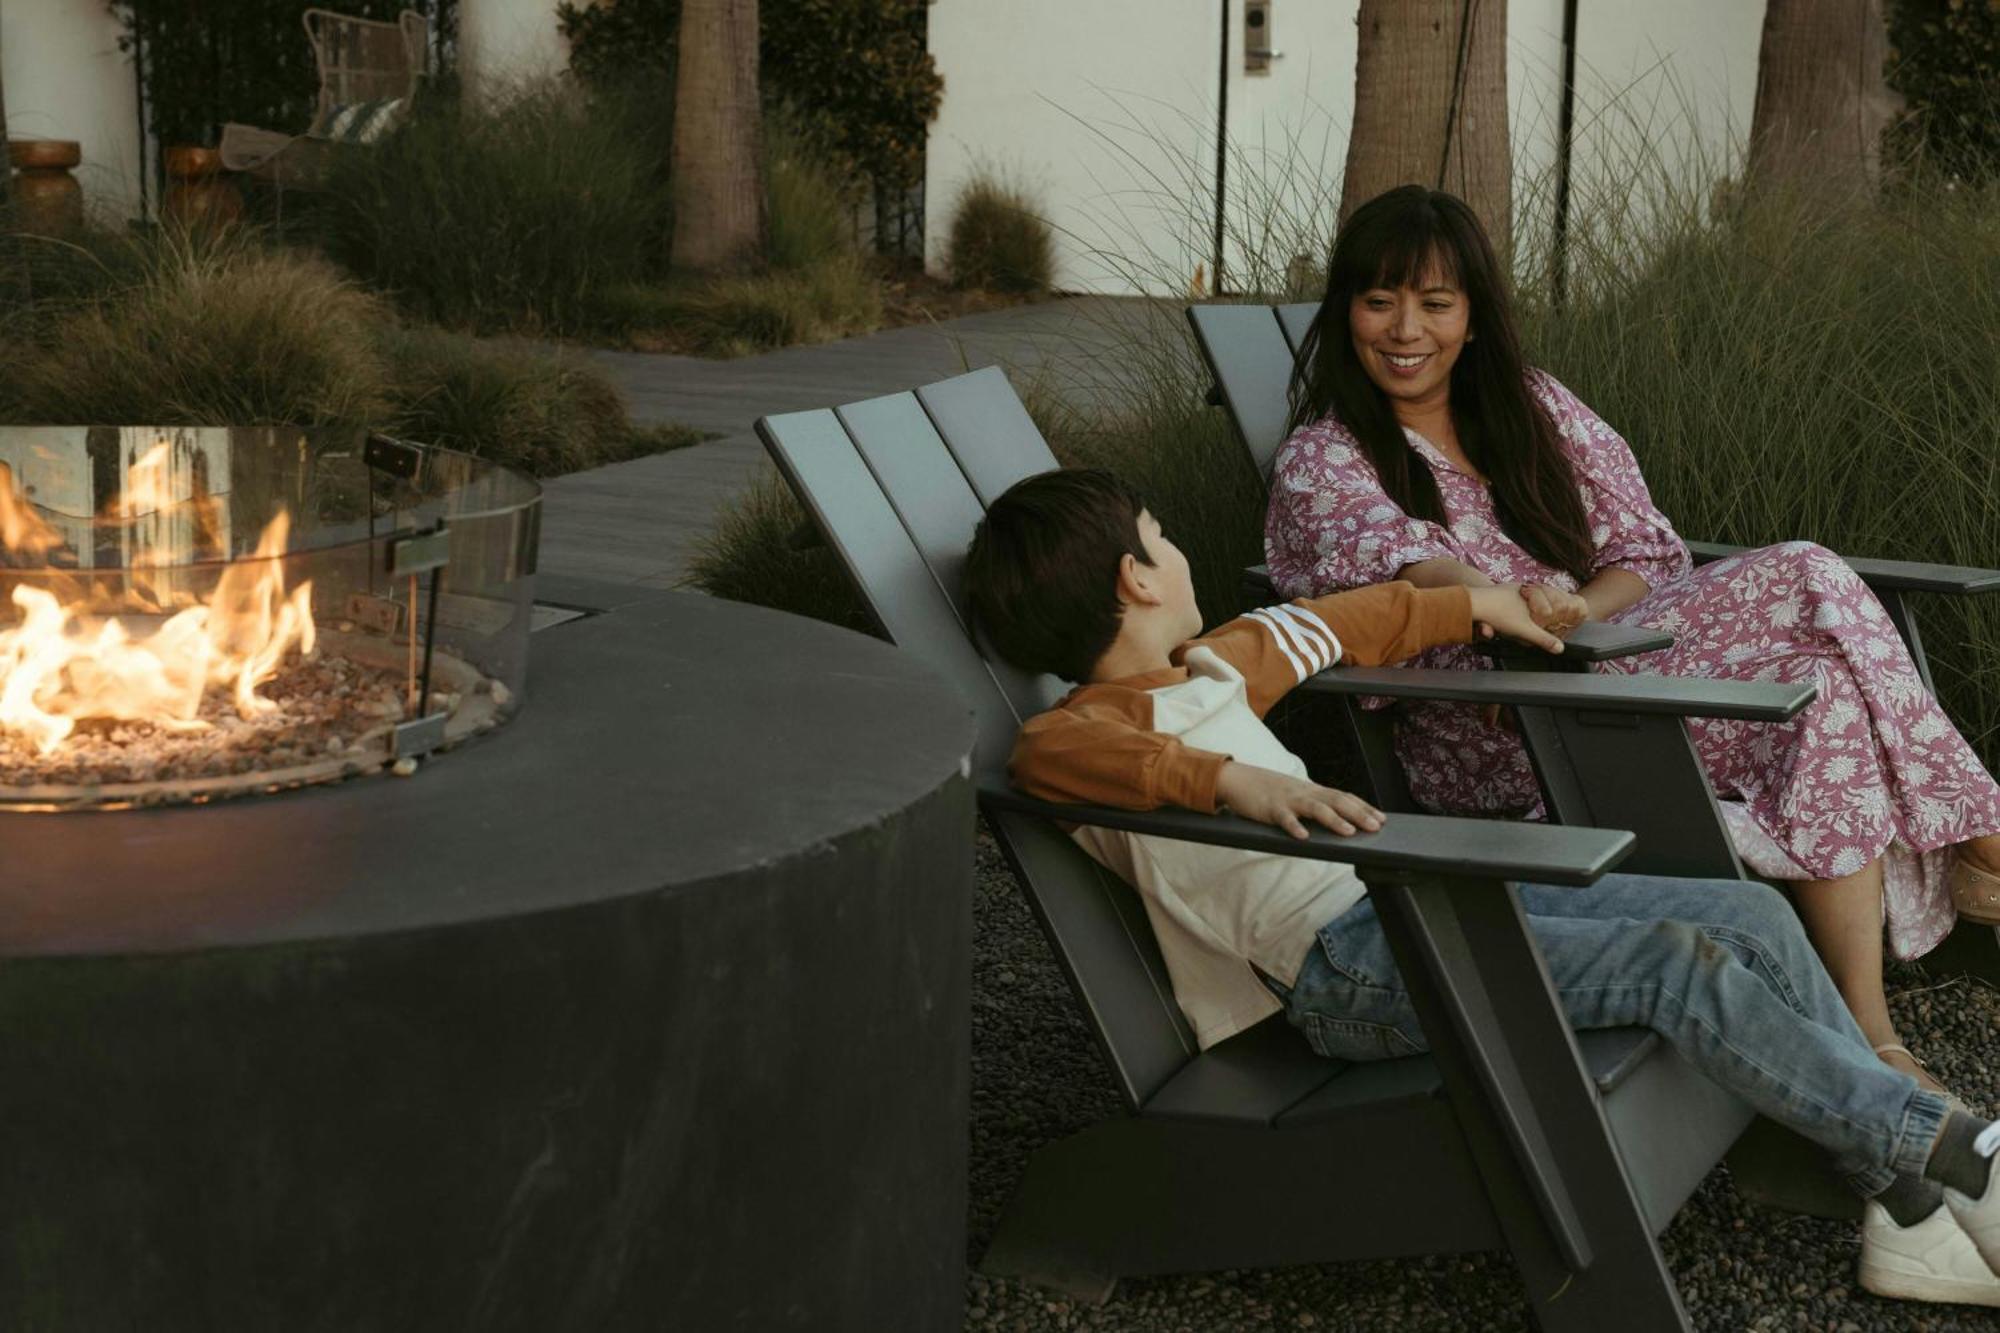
[1069, 573]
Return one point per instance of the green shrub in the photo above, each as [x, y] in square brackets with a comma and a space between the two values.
[543, 413]
[512, 215]
[211, 327]
[1945, 60]
[740, 314]
[197, 329]
[998, 240]
[762, 550]
[808, 207]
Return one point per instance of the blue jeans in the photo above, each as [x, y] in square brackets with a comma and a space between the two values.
[1758, 1014]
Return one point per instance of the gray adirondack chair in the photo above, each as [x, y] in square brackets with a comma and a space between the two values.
[1573, 1151]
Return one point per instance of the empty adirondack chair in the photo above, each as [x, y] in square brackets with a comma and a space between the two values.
[1573, 1151]
[368, 76]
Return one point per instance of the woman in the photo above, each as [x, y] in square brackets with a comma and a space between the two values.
[1423, 449]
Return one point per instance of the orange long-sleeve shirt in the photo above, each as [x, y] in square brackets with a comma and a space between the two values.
[1161, 738]
[1100, 743]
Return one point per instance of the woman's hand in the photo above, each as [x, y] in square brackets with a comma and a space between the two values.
[1553, 609]
[1271, 797]
[1503, 610]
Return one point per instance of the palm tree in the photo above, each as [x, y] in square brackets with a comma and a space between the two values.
[718, 202]
[1430, 106]
[1822, 100]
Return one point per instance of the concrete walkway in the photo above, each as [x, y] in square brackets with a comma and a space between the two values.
[638, 522]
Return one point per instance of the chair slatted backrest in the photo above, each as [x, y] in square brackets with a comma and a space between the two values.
[366, 60]
[889, 507]
[1295, 319]
[988, 430]
[1247, 350]
[939, 510]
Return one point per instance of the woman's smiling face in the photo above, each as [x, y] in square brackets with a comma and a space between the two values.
[1409, 338]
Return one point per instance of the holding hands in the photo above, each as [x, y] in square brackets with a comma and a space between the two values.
[1502, 609]
[1553, 609]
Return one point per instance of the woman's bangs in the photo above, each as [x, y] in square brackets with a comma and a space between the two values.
[1417, 260]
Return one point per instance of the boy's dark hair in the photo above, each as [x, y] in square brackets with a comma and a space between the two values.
[1042, 573]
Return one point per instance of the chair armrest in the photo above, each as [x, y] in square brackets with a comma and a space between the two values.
[1752, 701]
[1889, 575]
[1592, 641]
[1427, 844]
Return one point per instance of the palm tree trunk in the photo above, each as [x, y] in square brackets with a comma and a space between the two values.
[718, 205]
[1430, 106]
[1822, 100]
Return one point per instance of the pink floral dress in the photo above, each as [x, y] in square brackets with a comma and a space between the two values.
[1871, 767]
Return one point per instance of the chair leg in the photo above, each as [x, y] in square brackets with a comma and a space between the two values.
[1144, 1195]
[1530, 1115]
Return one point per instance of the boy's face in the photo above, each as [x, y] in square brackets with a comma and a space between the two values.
[1169, 577]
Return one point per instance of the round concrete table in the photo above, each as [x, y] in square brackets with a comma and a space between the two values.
[647, 1011]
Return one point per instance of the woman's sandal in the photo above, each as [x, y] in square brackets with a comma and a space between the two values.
[1974, 892]
[1951, 1098]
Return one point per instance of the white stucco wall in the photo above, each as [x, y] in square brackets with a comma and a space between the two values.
[1108, 112]
[1103, 111]
[505, 42]
[66, 79]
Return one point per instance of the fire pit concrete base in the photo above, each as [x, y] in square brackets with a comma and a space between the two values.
[648, 1011]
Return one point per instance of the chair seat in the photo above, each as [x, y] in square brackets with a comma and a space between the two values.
[246, 147]
[1268, 1075]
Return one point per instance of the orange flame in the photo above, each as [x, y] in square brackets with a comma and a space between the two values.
[58, 669]
[22, 530]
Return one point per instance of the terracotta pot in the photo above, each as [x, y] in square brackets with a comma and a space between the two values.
[47, 198]
[44, 154]
[198, 191]
[186, 164]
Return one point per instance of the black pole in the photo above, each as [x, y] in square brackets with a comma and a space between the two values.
[1565, 124]
[1221, 142]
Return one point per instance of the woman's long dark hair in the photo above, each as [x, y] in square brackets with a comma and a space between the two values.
[1399, 239]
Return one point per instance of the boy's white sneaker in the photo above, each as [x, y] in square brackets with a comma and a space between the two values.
[1934, 1260]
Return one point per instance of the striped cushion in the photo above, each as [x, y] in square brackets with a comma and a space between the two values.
[358, 122]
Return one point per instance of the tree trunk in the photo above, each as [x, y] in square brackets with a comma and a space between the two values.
[718, 202]
[1822, 100]
[1430, 107]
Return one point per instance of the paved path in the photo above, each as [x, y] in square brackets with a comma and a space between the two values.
[638, 522]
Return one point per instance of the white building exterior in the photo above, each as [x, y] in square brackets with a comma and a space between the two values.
[1106, 111]
[67, 79]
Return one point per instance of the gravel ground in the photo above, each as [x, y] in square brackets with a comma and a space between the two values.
[1037, 1076]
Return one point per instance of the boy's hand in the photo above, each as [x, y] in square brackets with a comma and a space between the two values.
[1553, 609]
[1270, 797]
[1501, 609]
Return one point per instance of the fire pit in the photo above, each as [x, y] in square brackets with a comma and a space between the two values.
[189, 613]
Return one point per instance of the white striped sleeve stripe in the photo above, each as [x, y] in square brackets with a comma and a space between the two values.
[1308, 647]
[1271, 627]
[1322, 645]
[1312, 622]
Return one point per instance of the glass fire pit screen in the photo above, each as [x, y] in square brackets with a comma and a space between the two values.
[188, 613]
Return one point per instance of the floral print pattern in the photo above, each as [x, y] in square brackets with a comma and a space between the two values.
[1871, 768]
